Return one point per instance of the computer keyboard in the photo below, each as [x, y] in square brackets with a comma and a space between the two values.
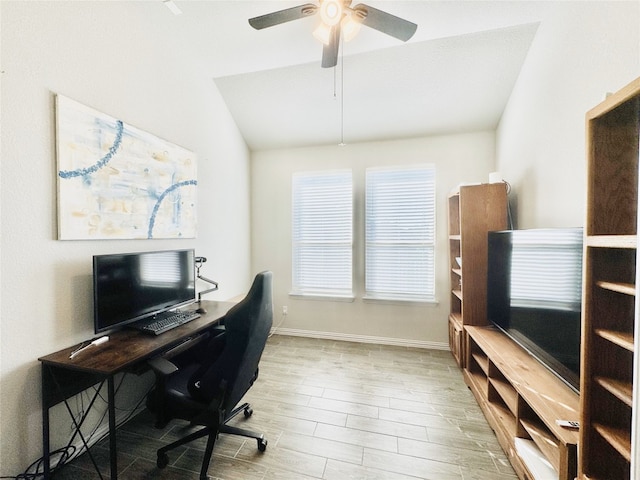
[166, 321]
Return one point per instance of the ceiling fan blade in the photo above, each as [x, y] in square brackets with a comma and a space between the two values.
[385, 22]
[330, 52]
[283, 16]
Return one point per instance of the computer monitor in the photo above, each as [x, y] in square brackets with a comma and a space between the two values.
[129, 287]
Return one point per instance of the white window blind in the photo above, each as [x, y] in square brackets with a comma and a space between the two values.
[400, 233]
[322, 221]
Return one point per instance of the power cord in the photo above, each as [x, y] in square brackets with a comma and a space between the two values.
[275, 329]
[36, 469]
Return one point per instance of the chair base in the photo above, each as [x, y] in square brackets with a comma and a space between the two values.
[163, 458]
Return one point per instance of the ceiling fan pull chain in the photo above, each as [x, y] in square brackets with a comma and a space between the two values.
[342, 144]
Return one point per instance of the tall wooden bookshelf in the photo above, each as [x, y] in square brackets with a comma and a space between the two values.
[474, 210]
[609, 336]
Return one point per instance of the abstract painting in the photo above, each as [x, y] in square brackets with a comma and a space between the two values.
[118, 182]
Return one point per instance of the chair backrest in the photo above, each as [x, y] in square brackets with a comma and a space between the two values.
[247, 327]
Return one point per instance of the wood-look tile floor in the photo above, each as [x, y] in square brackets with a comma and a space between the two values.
[332, 410]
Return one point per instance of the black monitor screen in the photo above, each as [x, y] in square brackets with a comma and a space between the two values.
[534, 292]
[132, 286]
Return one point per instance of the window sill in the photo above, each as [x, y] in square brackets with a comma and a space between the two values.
[323, 297]
[401, 301]
[327, 297]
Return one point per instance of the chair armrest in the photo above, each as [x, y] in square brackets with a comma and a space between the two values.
[161, 366]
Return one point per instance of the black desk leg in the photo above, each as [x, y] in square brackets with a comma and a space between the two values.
[113, 452]
[46, 453]
[58, 385]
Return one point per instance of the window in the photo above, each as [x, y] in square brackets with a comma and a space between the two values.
[400, 233]
[322, 234]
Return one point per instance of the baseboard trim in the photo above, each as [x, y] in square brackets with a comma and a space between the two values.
[348, 337]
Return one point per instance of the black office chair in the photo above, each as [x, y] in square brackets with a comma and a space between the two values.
[205, 384]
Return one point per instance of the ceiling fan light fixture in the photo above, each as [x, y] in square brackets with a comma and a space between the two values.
[349, 27]
[340, 22]
[331, 12]
[323, 34]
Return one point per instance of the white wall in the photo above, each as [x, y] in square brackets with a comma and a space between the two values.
[118, 58]
[458, 158]
[582, 50]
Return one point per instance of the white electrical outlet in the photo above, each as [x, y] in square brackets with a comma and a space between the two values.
[285, 309]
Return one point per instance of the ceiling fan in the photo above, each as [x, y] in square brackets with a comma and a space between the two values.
[339, 17]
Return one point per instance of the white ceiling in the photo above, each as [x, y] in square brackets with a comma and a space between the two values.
[456, 73]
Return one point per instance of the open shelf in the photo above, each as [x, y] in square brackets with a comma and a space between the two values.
[482, 362]
[612, 241]
[619, 389]
[522, 400]
[505, 418]
[507, 393]
[618, 438]
[621, 339]
[624, 288]
[545, 441]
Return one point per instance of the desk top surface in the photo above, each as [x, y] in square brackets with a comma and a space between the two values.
[127, 347]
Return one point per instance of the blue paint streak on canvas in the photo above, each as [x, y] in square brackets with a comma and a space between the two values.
[164, 194]
[102, 162]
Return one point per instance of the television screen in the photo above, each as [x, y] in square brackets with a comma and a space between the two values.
[129, 287]
[534, 294]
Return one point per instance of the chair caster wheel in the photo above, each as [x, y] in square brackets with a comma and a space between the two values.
[248, 411]
[262, 444]
[162, 461]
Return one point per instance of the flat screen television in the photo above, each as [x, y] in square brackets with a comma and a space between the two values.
[534, 293]
[130, 287]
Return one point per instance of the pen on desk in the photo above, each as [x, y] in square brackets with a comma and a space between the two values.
[96, 342]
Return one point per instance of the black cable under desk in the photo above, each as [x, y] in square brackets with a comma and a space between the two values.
[126, 351]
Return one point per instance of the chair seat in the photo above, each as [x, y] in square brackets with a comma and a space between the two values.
[176, 398]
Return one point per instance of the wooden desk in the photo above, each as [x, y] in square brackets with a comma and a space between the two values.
[127, 350]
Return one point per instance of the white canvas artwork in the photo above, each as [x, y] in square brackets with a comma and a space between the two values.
[118, 182]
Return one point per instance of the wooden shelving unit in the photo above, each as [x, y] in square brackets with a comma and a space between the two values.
[474, 210]
[610, 303]
[522, 400]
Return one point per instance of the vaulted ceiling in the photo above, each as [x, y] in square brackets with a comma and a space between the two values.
[456, 74]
